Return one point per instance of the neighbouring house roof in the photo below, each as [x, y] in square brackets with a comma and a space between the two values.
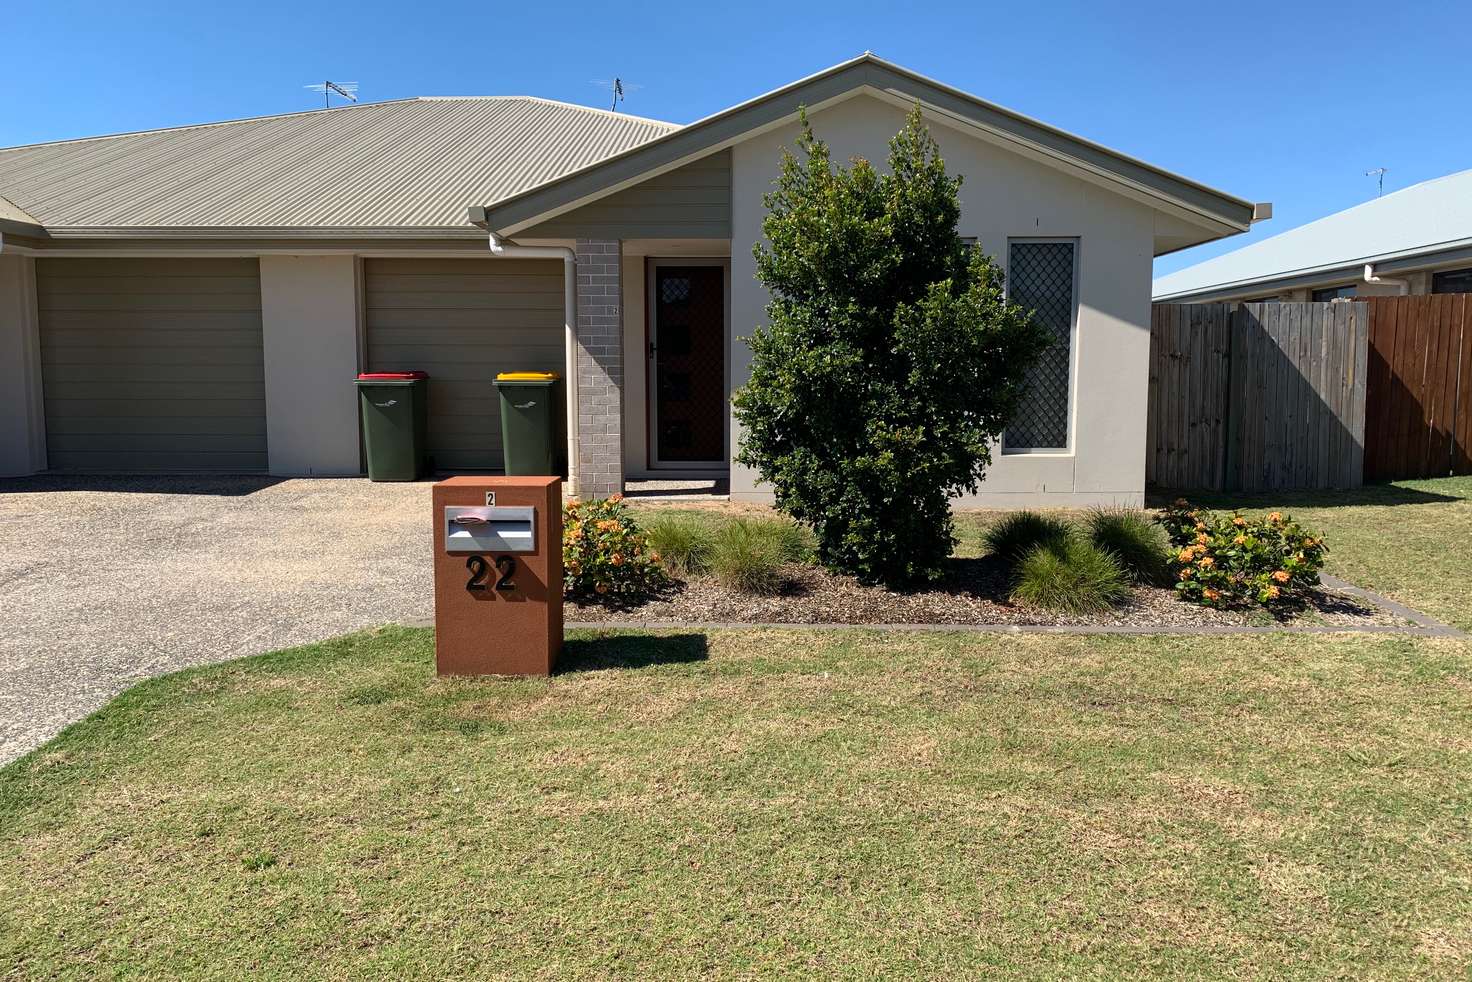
[411, 164]
[511, 213]
[1420, 223]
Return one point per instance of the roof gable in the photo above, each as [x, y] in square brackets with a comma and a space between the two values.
[515, 212]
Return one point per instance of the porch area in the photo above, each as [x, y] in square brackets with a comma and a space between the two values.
[653, 368]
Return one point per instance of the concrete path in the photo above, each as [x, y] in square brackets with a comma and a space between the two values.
[107, 581]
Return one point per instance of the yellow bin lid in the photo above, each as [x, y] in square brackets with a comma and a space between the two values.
[527, 377]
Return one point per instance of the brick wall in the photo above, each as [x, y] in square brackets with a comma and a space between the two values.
[600, 465]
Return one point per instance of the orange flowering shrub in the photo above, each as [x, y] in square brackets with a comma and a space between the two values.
[1231, 560]
[605, 554]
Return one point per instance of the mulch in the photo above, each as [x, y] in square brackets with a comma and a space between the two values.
[974, 591]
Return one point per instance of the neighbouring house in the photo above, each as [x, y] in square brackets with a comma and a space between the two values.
[200, 298]
[1414, 241]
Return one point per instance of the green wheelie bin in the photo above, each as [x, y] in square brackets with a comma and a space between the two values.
[529, 420]
[395, 410]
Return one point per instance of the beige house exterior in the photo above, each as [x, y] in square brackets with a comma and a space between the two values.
[200, 299]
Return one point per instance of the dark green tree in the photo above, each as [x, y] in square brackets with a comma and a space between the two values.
[890, 361]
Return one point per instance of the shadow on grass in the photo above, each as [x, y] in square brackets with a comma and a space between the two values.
[631, 651]
[1370, 494]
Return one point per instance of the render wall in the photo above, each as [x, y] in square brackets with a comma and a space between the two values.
[1005, 195]
[309, 316]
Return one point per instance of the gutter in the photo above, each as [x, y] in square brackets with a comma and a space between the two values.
[500, 250]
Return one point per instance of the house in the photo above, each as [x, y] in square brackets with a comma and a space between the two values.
[199, 298]
[1414, 241]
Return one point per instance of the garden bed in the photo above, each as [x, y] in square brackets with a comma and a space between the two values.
[975, 591]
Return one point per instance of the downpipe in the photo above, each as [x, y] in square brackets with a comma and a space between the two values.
[1403, 286]
[501, 250]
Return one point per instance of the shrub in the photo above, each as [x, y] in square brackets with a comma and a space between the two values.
[683, 541]
[605, 554]
[1018, 533]
[1230, 560]
[1135, 539]
[748, 554]
[890, 361]
[1075, 577]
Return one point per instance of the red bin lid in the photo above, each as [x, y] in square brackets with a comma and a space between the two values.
[390, 376]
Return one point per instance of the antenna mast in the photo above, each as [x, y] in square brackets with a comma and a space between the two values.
[618, 93]
[1380, 173]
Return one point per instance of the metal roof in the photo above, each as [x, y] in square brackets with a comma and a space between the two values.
[10, 212]
[1433, 216]
[512, 213]
[410, 164]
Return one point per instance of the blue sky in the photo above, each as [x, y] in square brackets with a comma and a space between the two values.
[1283, 102]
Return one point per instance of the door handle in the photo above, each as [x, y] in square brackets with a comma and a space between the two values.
[651, 349]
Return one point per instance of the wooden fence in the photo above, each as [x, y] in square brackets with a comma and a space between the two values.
[1420, 387]
[1257, 397]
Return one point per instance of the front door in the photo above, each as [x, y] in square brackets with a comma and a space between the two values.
[687, 352]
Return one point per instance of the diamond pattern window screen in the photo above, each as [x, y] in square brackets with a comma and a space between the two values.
[1040, 277]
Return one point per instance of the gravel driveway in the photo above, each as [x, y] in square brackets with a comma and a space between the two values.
[110, 580]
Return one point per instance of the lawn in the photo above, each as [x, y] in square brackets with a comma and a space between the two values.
[749, 804]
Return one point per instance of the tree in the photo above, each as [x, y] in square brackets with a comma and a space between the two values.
[891, 358]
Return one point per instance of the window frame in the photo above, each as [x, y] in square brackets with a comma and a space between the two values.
[1070, 413]
[1313, 294]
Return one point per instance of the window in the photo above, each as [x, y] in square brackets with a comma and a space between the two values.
[1040, 276]
[1332, 293]
[1264, 300]
[1452, 281]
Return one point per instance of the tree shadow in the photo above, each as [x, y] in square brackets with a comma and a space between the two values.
[222, 485]
[1369, 494]
[627, 651]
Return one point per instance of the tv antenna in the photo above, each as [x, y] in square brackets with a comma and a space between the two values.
[348, 90]
[1380, 173]
[616, 86]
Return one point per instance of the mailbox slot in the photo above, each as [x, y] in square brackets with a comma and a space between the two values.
[469, 528]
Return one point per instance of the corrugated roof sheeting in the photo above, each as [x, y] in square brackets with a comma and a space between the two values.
[9, 211]
[410, 164]
[1421, 218]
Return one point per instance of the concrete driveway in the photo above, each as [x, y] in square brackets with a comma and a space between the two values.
[107, 581]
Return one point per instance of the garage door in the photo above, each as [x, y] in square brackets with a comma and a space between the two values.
[152, 364]
[463, 321]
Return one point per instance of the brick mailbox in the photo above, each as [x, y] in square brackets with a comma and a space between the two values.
[497, 575]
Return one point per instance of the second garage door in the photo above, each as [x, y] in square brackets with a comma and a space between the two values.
[463, 321]
[152, 364]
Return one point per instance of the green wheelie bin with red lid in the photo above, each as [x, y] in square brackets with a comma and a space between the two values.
[395, 411]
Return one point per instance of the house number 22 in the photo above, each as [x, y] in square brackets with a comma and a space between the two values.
[480, 569]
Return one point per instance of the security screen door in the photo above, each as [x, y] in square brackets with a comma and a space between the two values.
[687, 351]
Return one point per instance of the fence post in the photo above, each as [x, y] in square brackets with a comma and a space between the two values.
[1231, 453]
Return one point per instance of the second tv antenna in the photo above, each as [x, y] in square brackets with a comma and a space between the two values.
[348, 90]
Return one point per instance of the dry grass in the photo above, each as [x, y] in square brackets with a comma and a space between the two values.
[759, 803]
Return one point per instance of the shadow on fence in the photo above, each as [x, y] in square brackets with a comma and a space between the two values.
[1257, 397]
[1419, 410]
